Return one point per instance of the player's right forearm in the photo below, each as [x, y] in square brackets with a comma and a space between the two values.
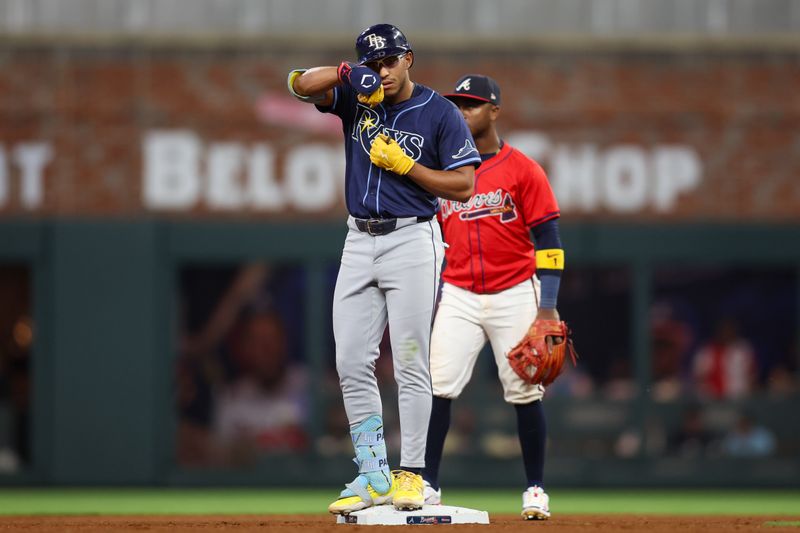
[316, 81]
[457, 185]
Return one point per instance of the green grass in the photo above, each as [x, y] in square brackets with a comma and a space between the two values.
[272, 501]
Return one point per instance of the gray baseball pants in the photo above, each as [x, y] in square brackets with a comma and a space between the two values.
[388, 278]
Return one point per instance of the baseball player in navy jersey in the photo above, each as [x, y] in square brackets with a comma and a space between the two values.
[490, 290]
[405, 147]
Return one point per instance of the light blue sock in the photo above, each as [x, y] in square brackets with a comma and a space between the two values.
[373, 466]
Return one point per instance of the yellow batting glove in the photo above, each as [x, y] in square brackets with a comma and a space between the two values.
[372, 99]
[386, 153]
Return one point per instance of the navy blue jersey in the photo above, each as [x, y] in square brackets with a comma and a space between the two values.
[427, 126]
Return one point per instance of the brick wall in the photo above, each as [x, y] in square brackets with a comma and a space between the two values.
[74, 124]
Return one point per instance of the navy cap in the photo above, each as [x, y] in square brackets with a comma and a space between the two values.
[478, 87]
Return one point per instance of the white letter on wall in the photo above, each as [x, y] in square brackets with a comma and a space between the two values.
[224, 167]
[31, 158]
[310, 183]
[171, 169]
[573, 178]
[677, 170]
[3, 178]
[533, 144]
[264, 193]
[625, 178]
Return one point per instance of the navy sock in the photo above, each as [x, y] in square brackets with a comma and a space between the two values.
[437, 432]
[532, 437]
[412, 469]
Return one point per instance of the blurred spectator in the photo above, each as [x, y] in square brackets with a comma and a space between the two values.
[671, 339]
[264, 407]
[212, 299]
[575, 382]
[16, 344]
[193, 387]
[692, 438]
[257, 405]
[726, 366]
[462, 437]
[500, 444]
[632, 440]
[781, 381]
[748, 439]
[335, 439]
[620, 385]
[239, 393]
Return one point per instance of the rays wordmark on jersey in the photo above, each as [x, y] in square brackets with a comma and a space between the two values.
[368, 125]
[496, 203]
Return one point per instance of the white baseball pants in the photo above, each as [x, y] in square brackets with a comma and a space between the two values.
[463, 323]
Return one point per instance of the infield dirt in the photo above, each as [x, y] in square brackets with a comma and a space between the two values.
[326, 523]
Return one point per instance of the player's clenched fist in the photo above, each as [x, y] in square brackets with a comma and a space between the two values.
[386, 153]
[364, 80]
[372, 99]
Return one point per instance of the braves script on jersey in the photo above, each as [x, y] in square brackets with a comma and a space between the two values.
[512, 195]
[427, 126]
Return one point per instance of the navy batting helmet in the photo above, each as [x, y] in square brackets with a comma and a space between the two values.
[379, 41]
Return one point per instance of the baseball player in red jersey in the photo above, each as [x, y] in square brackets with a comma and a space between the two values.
[492, 286]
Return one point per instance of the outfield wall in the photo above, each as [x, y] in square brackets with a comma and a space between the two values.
[625, 134]
[103, 389]
[138, 178]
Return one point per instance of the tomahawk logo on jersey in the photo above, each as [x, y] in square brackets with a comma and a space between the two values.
[496, 203]
[509, 199]
[373, 192]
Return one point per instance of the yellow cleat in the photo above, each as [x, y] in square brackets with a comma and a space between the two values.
[349, 503]
[408, 496]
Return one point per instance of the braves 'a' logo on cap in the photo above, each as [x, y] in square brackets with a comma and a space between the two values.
[464, 85]
[376, 42]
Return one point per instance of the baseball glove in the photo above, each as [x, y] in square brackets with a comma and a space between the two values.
[536, 360]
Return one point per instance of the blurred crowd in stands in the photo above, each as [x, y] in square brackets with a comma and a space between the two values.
[244, 390]
[243, 386]
[710, 337]
[16, 349]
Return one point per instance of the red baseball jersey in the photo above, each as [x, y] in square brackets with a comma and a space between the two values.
[490, 247]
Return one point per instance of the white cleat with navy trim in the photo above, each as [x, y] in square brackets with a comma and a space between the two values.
[535, 504]
[432, 497]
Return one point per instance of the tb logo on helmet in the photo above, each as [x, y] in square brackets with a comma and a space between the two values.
[376, 41]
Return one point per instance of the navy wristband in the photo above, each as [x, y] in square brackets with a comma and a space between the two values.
[551, 281]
